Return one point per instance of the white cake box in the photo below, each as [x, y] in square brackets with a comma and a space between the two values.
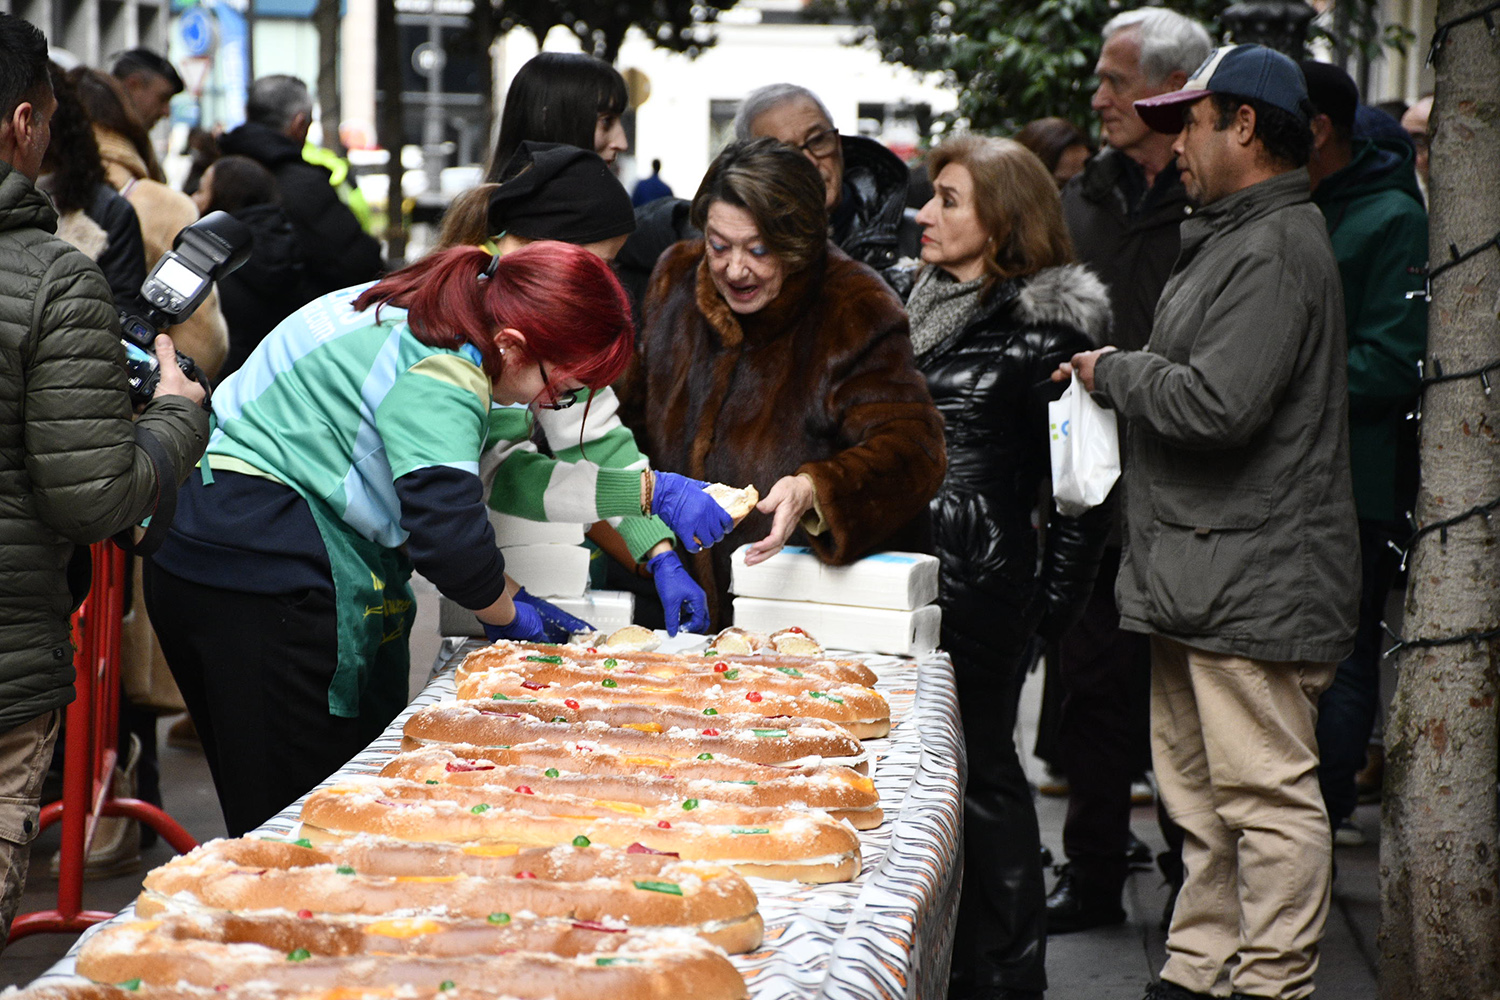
[902, 581]
[864, 630]
[606, 610]
[511, 530]
[549, 570]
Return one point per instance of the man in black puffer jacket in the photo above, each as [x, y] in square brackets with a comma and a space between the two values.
[338, 252]
[72, 466]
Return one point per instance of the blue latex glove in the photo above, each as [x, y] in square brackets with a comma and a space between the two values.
[526, 626]
[695, 516]
[558, 624]
[677, 587]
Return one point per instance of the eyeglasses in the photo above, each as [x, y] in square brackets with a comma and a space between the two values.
[559, 400]
[821, 144]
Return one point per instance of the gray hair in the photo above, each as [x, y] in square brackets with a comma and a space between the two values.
[772, 95]
[1169, 41]
[275, 100]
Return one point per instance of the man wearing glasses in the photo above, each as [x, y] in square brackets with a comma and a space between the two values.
[866, 182]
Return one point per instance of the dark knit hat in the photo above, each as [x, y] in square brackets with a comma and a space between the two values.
[553, 191]
[1332, 92]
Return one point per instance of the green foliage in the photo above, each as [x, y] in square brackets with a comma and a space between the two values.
[1009, 60]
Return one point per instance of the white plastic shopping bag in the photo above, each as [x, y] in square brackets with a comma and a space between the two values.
[1085, 450]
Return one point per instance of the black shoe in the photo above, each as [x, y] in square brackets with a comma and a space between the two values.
[1138, 853]
[1164, 990]
[1069, 909]
[1046, 856]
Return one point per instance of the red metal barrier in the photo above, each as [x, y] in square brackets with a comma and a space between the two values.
[89, 766]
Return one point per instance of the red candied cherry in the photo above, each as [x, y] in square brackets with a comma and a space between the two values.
[720, 667]
[305, 914]
[592, 650]
[525, 875]
[710, 732]
[571, 703]
[663, 824]
[752, 696]
[525, 790]
[795, 629]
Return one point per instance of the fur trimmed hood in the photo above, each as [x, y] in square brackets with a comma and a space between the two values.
[83, 232]
[1070, 295]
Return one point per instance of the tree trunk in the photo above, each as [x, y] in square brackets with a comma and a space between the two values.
[1440, 890]
[390, 129]
[326, 19]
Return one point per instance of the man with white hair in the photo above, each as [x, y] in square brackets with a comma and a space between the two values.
[1123, 212]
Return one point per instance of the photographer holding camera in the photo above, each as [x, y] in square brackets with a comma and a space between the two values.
[74, 467]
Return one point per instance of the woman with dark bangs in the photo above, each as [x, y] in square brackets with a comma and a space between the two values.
[345, 455]
[563, 97]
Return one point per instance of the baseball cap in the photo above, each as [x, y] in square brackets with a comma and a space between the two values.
[1252, 71]
[1332, 92]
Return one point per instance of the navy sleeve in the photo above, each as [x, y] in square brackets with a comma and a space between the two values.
[451, 542]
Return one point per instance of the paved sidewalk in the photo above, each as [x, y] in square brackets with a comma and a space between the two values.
[1108, 964]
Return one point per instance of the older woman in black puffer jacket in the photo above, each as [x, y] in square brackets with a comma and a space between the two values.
[997, 306]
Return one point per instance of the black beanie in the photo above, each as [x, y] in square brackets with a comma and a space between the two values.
[553, 191]
[1331, 92]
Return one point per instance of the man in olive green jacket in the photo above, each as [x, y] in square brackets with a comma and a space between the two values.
[1242, 558]
[71, 472]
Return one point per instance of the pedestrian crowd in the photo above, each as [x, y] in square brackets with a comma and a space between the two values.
[1228, 272]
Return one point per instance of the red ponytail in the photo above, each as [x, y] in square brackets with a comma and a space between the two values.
[567, 302]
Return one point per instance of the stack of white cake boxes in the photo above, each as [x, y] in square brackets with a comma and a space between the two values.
[881, 604]
[550, 561]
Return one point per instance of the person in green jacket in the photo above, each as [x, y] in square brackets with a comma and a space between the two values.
[1367, 189]
[72, 467]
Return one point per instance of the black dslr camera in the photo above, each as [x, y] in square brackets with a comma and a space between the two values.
[202, 253]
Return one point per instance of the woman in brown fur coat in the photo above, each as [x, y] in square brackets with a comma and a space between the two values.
[768, 356]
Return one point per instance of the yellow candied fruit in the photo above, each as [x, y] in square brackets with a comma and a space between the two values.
[624, 807]
[427, 878]
[351, 993]
[650, 761]
[645, 727]
[493, 850]
[144, 926]
[404, 928]
[863, 784]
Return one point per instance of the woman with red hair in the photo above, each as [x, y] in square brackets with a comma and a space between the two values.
[344, 455]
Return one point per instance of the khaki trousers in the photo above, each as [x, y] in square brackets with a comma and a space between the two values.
[1234, 745]
[25, 754]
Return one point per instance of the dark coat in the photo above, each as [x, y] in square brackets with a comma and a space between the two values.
[123, 259]
[991, 382]
[267, 288]
[820, 382]
[1126, 236]
[1241, 534]
[338, 252]
[70, 470]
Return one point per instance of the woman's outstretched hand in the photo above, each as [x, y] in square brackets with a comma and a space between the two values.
[789, 499]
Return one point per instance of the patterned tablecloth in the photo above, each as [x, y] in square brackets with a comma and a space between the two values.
[888, 933]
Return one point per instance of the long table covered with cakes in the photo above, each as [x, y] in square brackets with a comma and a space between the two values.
[726, 817]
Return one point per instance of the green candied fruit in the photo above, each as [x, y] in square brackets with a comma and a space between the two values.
[299, 955]
[131, 984]
[432, 781]
[825, 697]
[610, 663]
[732, 674]
[581, 841]
[609, 683]
[790, 671]
[749, 829]
[769, 734]
[710, 711]
[616, 961]
[446, 985]
[690, 804]
[730, 781]
[710, 652]
[543, 659]
[497, 696]
[499, 918]
[483, 807]
[559, 718]
[345, 869]
[670, 888]
[705, 756]
[551, 772]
